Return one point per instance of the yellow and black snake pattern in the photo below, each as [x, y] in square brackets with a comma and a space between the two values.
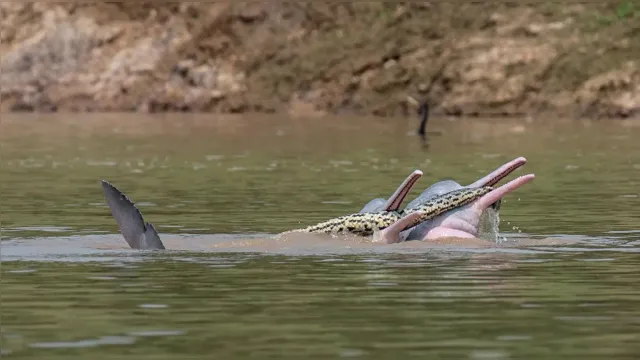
[365, 224]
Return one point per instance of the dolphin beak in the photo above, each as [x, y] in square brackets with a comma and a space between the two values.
[497, 194]
[500, 173]
[395, 200]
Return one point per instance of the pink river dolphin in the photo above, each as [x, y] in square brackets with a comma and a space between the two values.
[462, 222]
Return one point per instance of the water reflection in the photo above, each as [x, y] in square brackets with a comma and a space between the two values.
[563, 281]
[456, 306]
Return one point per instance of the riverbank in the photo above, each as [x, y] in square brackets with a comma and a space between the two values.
[310, 59]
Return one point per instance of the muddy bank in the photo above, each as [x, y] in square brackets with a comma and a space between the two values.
[315, 58]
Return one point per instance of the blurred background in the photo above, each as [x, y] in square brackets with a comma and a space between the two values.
[228, 122]
[314, 58]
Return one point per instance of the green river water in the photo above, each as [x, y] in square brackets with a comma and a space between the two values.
[563, 282]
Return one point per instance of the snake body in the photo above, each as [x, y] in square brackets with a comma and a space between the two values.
[365, 224]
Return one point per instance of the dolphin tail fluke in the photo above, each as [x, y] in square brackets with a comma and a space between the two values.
[138, 234]
[151, 238]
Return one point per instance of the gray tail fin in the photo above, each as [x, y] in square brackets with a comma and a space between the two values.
[137, 233]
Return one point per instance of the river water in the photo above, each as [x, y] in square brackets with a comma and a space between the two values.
[561, 284]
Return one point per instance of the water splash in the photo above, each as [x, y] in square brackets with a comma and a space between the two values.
[490, 226]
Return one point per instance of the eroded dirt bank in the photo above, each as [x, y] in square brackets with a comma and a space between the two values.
[313, 58]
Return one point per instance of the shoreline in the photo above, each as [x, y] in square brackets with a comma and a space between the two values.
[316, 59]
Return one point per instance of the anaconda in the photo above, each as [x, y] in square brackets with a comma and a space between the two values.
[462, 222]
[365, 224]
[439, 210]
[439, 188]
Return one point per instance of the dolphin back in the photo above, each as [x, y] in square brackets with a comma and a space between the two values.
[138, 234]
[374, 205]
[437, 189]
